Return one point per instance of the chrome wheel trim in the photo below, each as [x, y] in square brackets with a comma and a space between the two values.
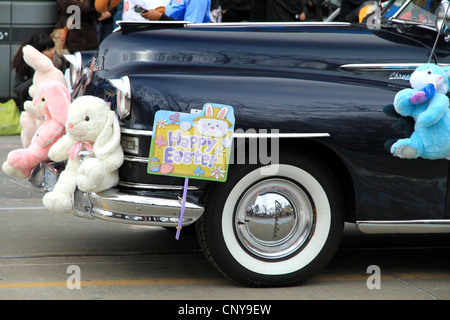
[308, 252]
[274, 218]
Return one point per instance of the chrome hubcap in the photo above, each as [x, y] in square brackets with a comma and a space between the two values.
[274, 218]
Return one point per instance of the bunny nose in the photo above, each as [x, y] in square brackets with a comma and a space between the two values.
[71, 125]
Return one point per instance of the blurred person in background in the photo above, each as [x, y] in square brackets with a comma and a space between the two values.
[23, 77]
[195, 11]
[82, 34]
[235, 10]
[286, 10]
[132, 9]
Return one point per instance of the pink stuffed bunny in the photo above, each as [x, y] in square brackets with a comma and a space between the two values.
[31, 119]
[52, 97]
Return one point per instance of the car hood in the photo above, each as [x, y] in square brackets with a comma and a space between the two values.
[267, 48]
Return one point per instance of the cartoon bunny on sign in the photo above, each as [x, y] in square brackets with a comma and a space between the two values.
[192, 145]
[214, 123]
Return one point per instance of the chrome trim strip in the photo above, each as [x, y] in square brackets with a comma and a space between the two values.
[135, 132]
[268, 24]
[188, 24]
[404, 226]
[154, 186]
[279, 135]
[148, 22]
[384, 66]
[135, 159]
[116, 206]
[240, 134]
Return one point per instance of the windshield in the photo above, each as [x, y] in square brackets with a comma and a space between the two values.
[412, 11]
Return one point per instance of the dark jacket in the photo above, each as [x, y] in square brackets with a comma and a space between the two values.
[236, 4]
[85, 37]
[285, 10]
[22, 83]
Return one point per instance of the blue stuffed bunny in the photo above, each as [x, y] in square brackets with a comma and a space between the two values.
[428, 104]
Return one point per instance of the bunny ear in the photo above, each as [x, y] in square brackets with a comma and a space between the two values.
[209, 111]
[109, 138]
[222, 113]
[57, 99]
[37, 60]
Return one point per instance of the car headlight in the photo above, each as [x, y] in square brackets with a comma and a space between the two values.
[76, 65]
[123, 96]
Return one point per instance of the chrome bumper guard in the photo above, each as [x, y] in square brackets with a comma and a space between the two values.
[117, 206]
[43, 177]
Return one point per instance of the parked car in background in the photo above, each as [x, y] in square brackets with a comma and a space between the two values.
[314, 126]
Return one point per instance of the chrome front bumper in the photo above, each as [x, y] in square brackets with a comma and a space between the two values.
[117, 206]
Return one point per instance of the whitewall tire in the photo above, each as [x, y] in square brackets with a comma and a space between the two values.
[277, 229]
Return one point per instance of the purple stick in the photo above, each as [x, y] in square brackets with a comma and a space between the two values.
[181, 215]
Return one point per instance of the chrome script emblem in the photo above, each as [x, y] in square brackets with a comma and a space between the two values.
[399, 76]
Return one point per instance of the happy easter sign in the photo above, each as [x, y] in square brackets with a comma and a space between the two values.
[192, 145]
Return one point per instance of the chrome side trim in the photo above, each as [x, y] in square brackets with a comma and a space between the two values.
[116, 206]
[135, 132]
[381, 66]
[385, 66]
[136, 159]
[239, 134]
[154, 186]
[268, 24]
[187, 24]
[404, 226]
[271, 135]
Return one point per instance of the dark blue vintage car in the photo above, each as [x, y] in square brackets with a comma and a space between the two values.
[314, 126]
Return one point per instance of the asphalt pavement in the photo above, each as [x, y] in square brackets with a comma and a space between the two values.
[12, 187]
[44, 255]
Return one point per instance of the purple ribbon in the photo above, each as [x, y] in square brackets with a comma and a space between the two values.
[181, 214]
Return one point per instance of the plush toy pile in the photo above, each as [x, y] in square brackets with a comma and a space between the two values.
[32, 118]
[428, 104]
[43, 120]
[91, 127]
[52, 100]
[55, 129]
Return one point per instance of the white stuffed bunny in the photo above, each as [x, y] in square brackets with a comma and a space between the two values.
[93, 127]
[32, 117]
